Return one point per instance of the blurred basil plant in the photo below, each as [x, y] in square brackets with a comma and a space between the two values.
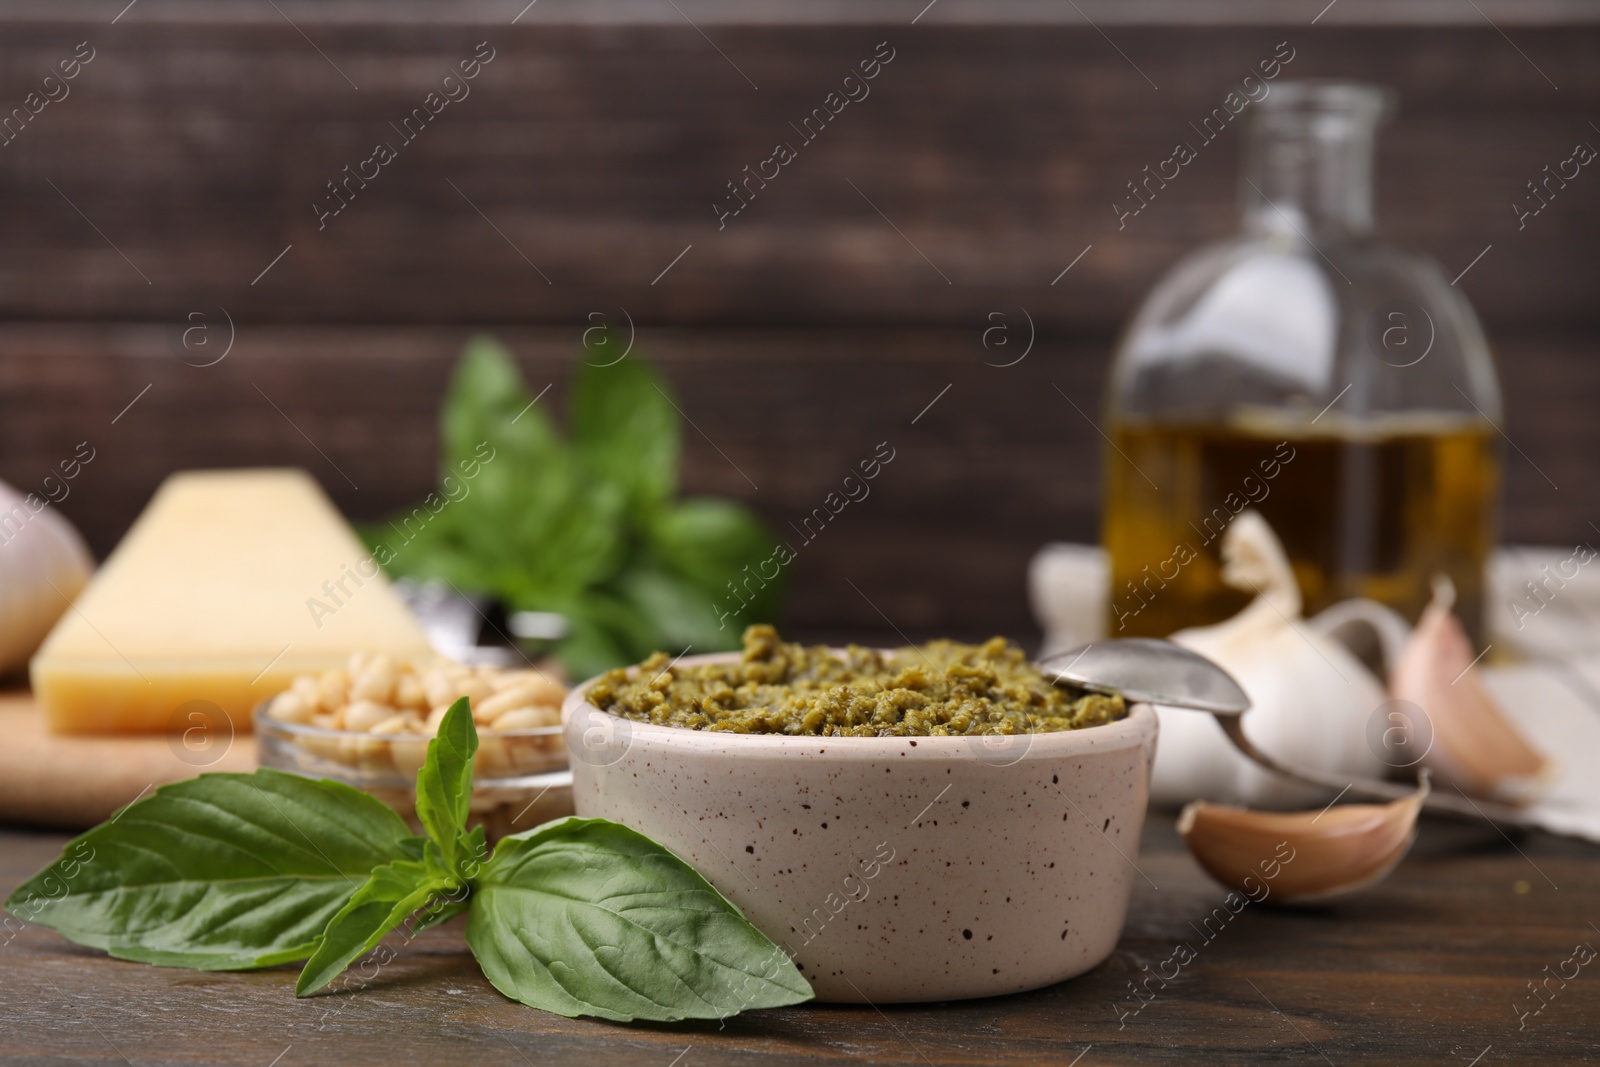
[589, 526]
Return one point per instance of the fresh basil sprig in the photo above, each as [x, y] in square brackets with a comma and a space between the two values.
[578, 916]
[589, 524]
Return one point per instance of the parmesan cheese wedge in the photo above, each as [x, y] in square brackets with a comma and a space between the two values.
[228, 585]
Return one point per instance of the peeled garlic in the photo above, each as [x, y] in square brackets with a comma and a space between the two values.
[1304, 856]
[1474, 746]
[1310, 697]
[43, 565]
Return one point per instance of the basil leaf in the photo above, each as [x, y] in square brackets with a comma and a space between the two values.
[444, 785]
[429, 552]
[441, 910]
[588, 917]
[391, 894]
[502, 456]
[563, 546]
[475, 843]
[682, 615]
[488, 404]
[625, 430]
[516, 514]
[714, 542]
[606, 632]
[221, 872]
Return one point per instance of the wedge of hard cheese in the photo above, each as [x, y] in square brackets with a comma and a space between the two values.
[229, 585]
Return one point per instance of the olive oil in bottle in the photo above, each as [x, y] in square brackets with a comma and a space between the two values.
[1361, 514]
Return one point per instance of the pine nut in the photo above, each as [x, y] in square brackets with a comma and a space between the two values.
[365, 715]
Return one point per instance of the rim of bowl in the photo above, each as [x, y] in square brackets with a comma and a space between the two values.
[266, 723]
[1130, 730]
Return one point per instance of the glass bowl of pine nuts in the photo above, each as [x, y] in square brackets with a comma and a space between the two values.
[368, 724]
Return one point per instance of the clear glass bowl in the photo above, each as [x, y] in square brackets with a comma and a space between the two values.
[520, 779]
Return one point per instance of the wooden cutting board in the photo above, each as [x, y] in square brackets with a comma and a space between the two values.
[72, 783]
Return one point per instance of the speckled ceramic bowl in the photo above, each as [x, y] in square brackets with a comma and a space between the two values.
[892, 869]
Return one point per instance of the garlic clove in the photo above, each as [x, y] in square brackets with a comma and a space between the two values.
[1474, 746]
[1301, 857]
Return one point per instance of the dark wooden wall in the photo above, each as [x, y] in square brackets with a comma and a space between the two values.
[588, 155]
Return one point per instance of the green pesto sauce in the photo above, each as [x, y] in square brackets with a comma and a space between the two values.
[940, 689]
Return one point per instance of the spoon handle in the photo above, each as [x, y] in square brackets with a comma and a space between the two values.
[1463, 807]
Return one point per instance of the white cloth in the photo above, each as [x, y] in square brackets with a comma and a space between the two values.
[1557, 707]
[1544, 602]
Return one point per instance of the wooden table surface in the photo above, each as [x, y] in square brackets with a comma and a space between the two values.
[1431, 967]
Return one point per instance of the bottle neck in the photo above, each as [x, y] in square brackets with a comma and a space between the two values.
[1308, 164]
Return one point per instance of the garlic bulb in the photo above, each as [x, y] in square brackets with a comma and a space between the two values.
[43, 564]
[1303, 856]
[1069, 588]
[1374, 632]
[1473, 746]
[1310, 696]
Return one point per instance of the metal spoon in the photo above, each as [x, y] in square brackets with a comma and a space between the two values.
[1153, 671]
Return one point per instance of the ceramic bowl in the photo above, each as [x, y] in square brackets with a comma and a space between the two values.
[892, 868]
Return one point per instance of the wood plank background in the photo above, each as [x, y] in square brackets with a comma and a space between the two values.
[588, 155]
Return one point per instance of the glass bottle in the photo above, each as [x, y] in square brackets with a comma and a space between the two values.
[1305, 368]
